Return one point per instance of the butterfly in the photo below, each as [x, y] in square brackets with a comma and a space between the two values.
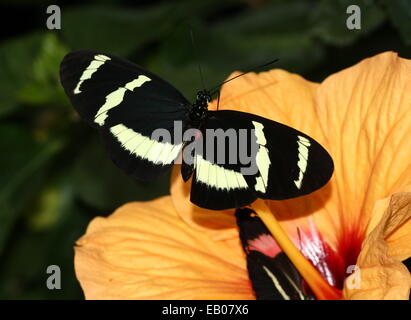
[128, 105]
[273, 276]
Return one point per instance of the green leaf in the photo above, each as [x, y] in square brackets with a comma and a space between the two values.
[279, 17]
[20, 173]
[331, 16]
[30, 72]
[16, 59]
[399, 12]
[44, 86]
[296, 52]
[115, 30]
[100, 184]
[24, 264]
[222, 53]
[49, 205]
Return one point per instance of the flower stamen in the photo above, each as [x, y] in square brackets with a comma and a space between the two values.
[319, 286]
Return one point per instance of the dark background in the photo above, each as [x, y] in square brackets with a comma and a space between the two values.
[54, 175]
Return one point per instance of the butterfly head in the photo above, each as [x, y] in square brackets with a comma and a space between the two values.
[200, 107]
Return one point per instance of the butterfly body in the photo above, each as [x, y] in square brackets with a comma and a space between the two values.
[253, 157]
[199, 109]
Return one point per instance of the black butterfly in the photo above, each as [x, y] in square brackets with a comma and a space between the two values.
[127, 104]
[272, 274]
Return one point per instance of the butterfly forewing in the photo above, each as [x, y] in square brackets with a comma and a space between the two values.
[218, 181]
[127, 104]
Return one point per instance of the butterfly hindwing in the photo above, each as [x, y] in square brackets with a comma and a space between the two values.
[218, 182]
[217, 187]
[272, 274]
[272, 161]
[127, 104]
[290, 163]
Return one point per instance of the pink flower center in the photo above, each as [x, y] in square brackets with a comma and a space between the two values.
[333, 264]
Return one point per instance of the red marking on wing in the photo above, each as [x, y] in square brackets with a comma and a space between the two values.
[332, 264]
[264, 244]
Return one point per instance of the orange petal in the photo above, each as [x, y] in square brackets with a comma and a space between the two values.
[381, 273]
[277, 95]
[364, 117]
[219, 225]
[364, 111]
[145, 251]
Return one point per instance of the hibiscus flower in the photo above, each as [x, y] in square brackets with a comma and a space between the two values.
[360, 221]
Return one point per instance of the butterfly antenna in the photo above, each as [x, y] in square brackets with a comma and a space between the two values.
[213, 90]
[197, 57]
